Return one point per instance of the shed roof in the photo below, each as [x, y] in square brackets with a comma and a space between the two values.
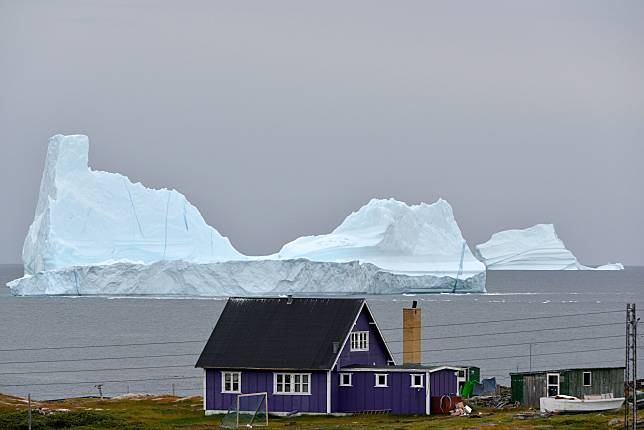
[537, 372]
[280, 333]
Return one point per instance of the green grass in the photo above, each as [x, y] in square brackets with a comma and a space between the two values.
[166, 412]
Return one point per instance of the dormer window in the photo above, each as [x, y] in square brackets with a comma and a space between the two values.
[360, 341]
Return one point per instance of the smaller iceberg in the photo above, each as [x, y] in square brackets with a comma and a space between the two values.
[534, 248]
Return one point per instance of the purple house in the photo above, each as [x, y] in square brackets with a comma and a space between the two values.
[314, 356]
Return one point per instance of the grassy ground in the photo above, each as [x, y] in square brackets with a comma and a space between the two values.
[167, 412]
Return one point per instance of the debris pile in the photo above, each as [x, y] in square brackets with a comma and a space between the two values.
[496, 402]
[460, 410]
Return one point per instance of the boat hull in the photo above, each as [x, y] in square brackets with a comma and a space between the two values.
[551, 404]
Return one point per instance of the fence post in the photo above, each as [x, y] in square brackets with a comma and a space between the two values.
[29, 413]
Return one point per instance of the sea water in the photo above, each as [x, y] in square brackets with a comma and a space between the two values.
[590, 338]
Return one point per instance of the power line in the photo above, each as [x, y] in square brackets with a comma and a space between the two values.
[102, 381]
[536, 355]
[523, 343]
[564, 365]
[97, 359]
[96, 370]
[99, 346]
[508, 320]
[517, 331]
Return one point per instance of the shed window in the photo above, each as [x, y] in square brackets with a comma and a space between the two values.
[588, 379]
[381, 380]
[231, 382]
[360, 341]
[292, 383]
[417, 381]
[345, 380]
[553, 384]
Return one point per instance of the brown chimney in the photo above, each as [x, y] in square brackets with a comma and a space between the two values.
[411, 335]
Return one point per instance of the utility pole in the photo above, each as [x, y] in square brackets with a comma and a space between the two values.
[635, 320]
[630, 373]
[627, 365]
[530, 357]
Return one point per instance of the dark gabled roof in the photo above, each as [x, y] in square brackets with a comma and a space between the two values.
[270, 333]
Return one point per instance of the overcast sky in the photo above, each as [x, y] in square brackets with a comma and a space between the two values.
[277, 119]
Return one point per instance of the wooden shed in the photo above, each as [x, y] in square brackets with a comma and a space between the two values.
[529, 387]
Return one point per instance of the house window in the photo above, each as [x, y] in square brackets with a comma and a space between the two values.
[231, 382]
[381, 379]
[360, 341]
[292, 383]
[553, 384]
[417, 381]
[588, 379]
[345, 380]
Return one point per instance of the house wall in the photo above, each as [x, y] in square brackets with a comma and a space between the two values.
[377, 354]
[253, 381]
[532, 387]
[602, 381]
[443, 382]
[398, 397]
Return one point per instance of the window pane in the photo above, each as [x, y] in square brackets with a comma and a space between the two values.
[553, 379]
[305, 388]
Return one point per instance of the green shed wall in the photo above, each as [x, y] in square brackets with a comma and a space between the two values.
[602, 381]
[529, 388]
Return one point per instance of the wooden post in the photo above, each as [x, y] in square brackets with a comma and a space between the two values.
[172, 389]
[29, 413]
[411, 335]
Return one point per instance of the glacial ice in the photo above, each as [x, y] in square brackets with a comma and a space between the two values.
[534, 248]
[86, 217]
[98, 233]
[403, 239]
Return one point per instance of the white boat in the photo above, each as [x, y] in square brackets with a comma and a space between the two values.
[573, 404]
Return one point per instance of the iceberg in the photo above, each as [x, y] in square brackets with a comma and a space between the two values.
[86, 217]
[403, 239]
[98, 233]
[534, 248]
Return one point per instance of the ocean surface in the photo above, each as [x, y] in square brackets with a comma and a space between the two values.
[54, 347]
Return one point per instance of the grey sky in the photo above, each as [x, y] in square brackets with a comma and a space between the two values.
[277, 119]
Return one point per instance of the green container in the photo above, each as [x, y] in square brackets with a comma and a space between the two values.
[474, 375]
[466, 391]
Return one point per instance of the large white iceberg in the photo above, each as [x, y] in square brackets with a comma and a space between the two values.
[404, 239]
[534, 248]
[97, 233]
[86, 217]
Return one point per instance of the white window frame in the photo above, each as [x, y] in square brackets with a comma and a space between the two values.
[350, 375]
[386, 384]
[292, 384]
[548, 384]
[590, 379]
[223, 382]
[416, 375]
[360, 341]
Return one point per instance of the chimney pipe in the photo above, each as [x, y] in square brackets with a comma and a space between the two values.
[411, 334]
